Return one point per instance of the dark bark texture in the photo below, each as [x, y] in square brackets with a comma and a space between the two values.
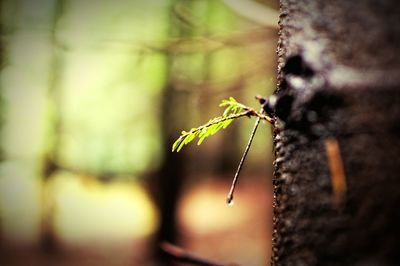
[339, 78]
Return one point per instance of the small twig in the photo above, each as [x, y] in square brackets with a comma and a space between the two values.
[184, 256]
[338, 177]
[229, 198]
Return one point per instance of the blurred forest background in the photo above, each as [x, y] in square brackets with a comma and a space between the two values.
[94, 93]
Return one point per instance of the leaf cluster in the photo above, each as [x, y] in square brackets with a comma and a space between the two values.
[233, 110]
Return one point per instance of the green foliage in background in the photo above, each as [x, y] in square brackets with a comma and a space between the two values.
[87, 83]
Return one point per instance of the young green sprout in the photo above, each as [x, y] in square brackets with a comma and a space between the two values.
[233, 110]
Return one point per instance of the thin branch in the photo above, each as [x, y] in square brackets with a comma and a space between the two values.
[182, 255]
[229, 198]
[198, 44]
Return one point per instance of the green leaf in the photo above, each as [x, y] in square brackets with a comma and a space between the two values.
[189, 138]
[233, 110]
[176, 143]
[227, 111]
[226, 123]
[201, 140]
[180, 146]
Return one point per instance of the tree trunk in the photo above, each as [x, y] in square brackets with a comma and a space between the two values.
[337, 139]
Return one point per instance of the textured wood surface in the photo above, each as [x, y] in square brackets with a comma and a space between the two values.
[339, 78]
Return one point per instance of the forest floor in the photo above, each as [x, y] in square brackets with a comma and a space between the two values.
[208, 227]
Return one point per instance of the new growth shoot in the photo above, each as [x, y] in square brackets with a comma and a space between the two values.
[233, 110]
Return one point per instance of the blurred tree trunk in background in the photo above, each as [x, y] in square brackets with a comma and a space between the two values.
[337, 146]
[171, 173]
[48, 235]
[170, 176]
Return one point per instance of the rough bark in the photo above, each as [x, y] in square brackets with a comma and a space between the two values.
[339, 78]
